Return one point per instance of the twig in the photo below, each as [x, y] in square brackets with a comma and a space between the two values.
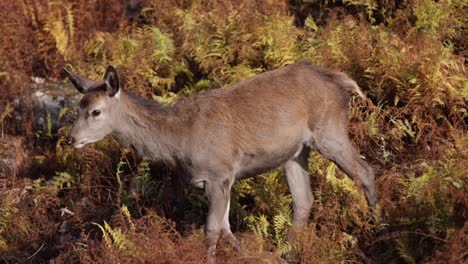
[35, 253]
[428, 235]
[4, 260]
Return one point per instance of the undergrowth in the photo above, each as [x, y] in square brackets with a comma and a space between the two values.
[105, 204]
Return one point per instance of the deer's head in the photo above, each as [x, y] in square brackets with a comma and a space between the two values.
[98, 110]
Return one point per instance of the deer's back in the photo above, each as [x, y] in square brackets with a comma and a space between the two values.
[270, 115]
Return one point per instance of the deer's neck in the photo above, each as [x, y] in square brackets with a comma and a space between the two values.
[153, 130]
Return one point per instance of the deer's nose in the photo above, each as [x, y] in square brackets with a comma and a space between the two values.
[70, 140]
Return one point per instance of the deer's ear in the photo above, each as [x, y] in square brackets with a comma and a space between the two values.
[112, 81]
[81, 83]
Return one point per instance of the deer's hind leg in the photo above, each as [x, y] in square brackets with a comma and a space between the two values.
[336, 146]
[299, 184]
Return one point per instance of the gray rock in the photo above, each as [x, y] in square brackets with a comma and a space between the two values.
[53, 105]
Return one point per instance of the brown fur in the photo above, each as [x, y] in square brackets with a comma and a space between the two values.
[270, 120]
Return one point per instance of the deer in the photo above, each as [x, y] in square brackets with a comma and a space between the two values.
[274, 119]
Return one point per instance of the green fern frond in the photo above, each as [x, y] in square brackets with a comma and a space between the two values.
[114, 238]
[284, 247]
[419, 187]
[258, 224]
[128, 217]
[335, 43]
[94, 46]
[240, 72]
[61, 180]
[144, 168]
[61, 26]
[70, 19]
[105, 235]
[279, 49]
[280, 225]
[166, 99]
[202, 85]
[404, 250]
[5, 215]
[161, 44]
[126, 51]
[345, 185]
[280, 221]
[119, 241]
[429, 15]
[244, 187]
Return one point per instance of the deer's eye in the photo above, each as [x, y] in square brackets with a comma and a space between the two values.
[96, 113]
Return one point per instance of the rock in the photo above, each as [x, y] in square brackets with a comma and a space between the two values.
[53, 105]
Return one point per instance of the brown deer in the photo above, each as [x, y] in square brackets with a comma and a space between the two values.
[273, 119]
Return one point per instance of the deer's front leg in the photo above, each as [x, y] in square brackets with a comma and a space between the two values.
[217, 223]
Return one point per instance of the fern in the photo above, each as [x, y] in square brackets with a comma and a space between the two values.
[5, 217]
[95, 46]
[128, 217]
[163, 46]
[46, 132]
[279, 223]
[280, 226]
[279, 48]
[14, 225]
[105, 234]
[146, 188]
[403, 128]
[412, 65]
[345, 185]
[60, 24]
[310, 24]
[272, 199]
[70, 21]
[158, 43]
[114, 238]
[335, 43]
[202, 85]
[166, 99]
[5, 214]
[240, 72]
[274, 192]
[404, 250]
[61, 180]
[144, 171]
[370, 6]
[259, 225]
[429, 15]
[126, 52]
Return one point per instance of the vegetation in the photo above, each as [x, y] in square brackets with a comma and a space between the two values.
[104, 204]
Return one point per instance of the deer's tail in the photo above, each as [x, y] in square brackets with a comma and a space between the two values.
[348, 84]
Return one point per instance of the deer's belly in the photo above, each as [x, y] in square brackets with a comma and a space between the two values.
[252, 164]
